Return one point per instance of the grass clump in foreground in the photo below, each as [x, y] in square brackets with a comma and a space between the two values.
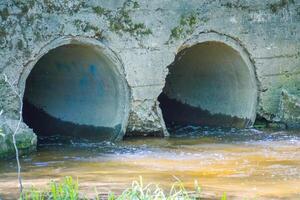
[68, 189]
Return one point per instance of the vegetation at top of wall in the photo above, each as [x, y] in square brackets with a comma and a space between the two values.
[50, 6]
[64, 6]
[187, 25]
[120, 20]
[236, 5]
[275, 7]
[69, 189]
[24, 5]
[101, 11]
[87, 26]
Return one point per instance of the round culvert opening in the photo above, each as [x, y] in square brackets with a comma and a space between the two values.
[76, 91]
[209, 84]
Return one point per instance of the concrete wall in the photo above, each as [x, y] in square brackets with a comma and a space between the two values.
[145, 37]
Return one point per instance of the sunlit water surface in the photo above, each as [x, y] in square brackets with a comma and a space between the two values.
[246, 164]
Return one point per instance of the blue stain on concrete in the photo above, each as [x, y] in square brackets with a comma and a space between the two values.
[100, 89]
[83, 81]
[93, 69]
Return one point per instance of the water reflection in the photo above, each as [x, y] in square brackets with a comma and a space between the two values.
[243, 163]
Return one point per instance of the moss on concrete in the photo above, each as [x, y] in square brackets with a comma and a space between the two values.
[186, 26]
[87, 26]
[24, 5]
[3, 32]
[25, 138]
[4, 14]
[275, 7]
[101, 11]
[50, 6]
[236, 5]
[120, 20]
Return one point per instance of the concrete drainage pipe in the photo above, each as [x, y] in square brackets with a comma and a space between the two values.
[209, 84]
[75, 90]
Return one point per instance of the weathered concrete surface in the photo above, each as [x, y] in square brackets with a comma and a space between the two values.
[146, 36]
[25, 138]
[290, 110]
[9, 102]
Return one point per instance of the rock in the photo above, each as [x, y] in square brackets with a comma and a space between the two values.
[25, 138]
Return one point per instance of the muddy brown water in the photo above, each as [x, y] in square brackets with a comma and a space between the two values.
[246, 164]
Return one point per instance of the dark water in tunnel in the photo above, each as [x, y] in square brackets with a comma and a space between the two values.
[246, 163]
[45, 126]
[176, 112]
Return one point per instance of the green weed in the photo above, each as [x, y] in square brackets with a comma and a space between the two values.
[68, 189]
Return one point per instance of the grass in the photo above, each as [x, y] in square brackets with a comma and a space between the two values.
[68, 189]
